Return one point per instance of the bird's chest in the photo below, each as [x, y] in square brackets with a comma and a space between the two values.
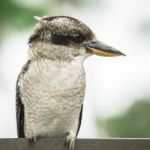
[54, 78]
[53, 82]
[53, 94]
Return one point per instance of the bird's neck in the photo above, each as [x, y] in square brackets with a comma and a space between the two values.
[56, 53]
[76, 61]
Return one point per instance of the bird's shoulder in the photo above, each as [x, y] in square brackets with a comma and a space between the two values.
[23, 71]
[19, 105]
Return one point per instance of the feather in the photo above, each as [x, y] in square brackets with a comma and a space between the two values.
[19, 104]
[80, 119]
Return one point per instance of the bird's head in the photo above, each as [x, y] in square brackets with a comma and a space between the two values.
[64, 38]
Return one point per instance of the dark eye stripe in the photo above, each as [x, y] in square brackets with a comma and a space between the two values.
[62, 39]
[59, 39]
[33, 38]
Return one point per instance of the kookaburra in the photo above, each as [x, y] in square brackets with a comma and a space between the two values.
[51, 86]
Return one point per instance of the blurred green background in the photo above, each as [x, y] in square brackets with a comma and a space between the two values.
[117, 102]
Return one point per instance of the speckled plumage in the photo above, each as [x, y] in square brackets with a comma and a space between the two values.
[52, 95]
[51, 86]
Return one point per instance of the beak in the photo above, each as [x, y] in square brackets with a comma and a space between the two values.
[101, 49]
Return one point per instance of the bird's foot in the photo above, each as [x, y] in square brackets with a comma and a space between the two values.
[33, 139]
[70, 140]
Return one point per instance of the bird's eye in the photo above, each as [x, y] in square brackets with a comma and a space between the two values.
[78, 38]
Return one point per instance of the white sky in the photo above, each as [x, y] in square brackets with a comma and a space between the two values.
[112, 83]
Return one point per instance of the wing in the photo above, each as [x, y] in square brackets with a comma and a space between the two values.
[19, 104]
[19, 114]
[80, 119]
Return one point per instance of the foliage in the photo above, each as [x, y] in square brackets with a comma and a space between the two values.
[15, 15]
[135, 122]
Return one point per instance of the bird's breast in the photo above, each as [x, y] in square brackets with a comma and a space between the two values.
[52, 94]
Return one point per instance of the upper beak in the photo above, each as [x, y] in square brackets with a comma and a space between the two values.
[101, 49]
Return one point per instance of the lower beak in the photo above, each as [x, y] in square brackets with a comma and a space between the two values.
[101, 49]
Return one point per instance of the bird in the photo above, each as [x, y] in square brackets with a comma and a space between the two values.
[50, 88]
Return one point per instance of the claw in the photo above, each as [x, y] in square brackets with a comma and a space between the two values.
[70, 140]
[33, 139]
